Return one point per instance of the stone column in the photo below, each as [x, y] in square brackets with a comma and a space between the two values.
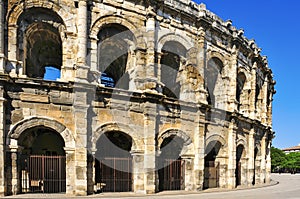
[201, 62]
[199, 141]
[145, 75]
[12, 50]
[138, 171]
[268, 162]
[95, 71]
[14, 170]
[264, 102]
[231, 154]
[263, 161]
[233, 104]
[188, 172]
[2, 56]
[252, 110]
[70, 171]
[2, 140]
[251, 157]
[83, 96]
[150, 130]
[82, 68]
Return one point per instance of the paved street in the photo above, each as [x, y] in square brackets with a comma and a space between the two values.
[288, 188]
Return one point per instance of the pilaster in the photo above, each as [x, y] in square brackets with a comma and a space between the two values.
[199, 141]
[150, 130]
[82, 70]
[251, 156]
[253, 91]
[231, 154]
[2, 56]
[2, 141]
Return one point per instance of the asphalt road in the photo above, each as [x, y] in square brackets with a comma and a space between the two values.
[288, 188]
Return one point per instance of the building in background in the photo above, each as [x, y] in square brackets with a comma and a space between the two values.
[292, 149]
[150, 96]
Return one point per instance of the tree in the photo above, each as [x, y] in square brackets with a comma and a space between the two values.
[278, 159]
[292, 161]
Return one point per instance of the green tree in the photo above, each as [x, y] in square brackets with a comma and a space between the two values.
[278, 159]
[292, 161]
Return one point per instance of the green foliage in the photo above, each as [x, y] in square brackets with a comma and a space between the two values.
[278, 158]
[292, 161]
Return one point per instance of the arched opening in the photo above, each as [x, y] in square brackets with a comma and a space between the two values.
[212, 72]
[171, 166]
[42, 162]
[115, 47]
[113, 164]
[211, 165]
[173, 54]
[241, 79]
[238, 168]
[39, 41]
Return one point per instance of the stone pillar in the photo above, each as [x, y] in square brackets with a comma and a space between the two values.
[12, 50]
[268, 162]
[263, 161]
[70, 171]
[199, 141]
[231, 154]
[201, 62]
[82, 68]
[233, 104]
[150, 130]
[2, 56]
[2, 140]
[145, 75]
[252, 110]
[95, 71]
[264, 102]
[138, 171]
[251, 157]
[188, 172]
[14, 170]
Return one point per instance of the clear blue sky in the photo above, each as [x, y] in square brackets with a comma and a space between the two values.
[275, 26]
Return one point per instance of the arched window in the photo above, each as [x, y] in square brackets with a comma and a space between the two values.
[114, 47]
[39, 41]
[173, 52]
[240, 82]
[212, 72]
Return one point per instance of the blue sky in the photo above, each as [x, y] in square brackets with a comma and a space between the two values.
[275, 26]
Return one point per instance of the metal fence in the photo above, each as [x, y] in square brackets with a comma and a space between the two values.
[114, 174]
[45, 174]
[173, 175]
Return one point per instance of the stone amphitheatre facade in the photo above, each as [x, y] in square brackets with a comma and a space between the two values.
[148, 96]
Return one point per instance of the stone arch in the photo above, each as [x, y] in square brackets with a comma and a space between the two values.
[215, 54]
[15, 13]
[31, 122]
[174, 132]
[241, 142]
[187, 141]
[114, 126]
[173, 37]
[105, 20]
[216, 138]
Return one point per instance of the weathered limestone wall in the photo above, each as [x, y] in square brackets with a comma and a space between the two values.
[80, 109]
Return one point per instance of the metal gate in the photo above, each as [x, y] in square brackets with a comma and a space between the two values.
[45, 174]
[211, 174]
[173, 175]
[115, 175]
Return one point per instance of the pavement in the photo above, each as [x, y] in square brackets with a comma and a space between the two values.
[282, 186]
